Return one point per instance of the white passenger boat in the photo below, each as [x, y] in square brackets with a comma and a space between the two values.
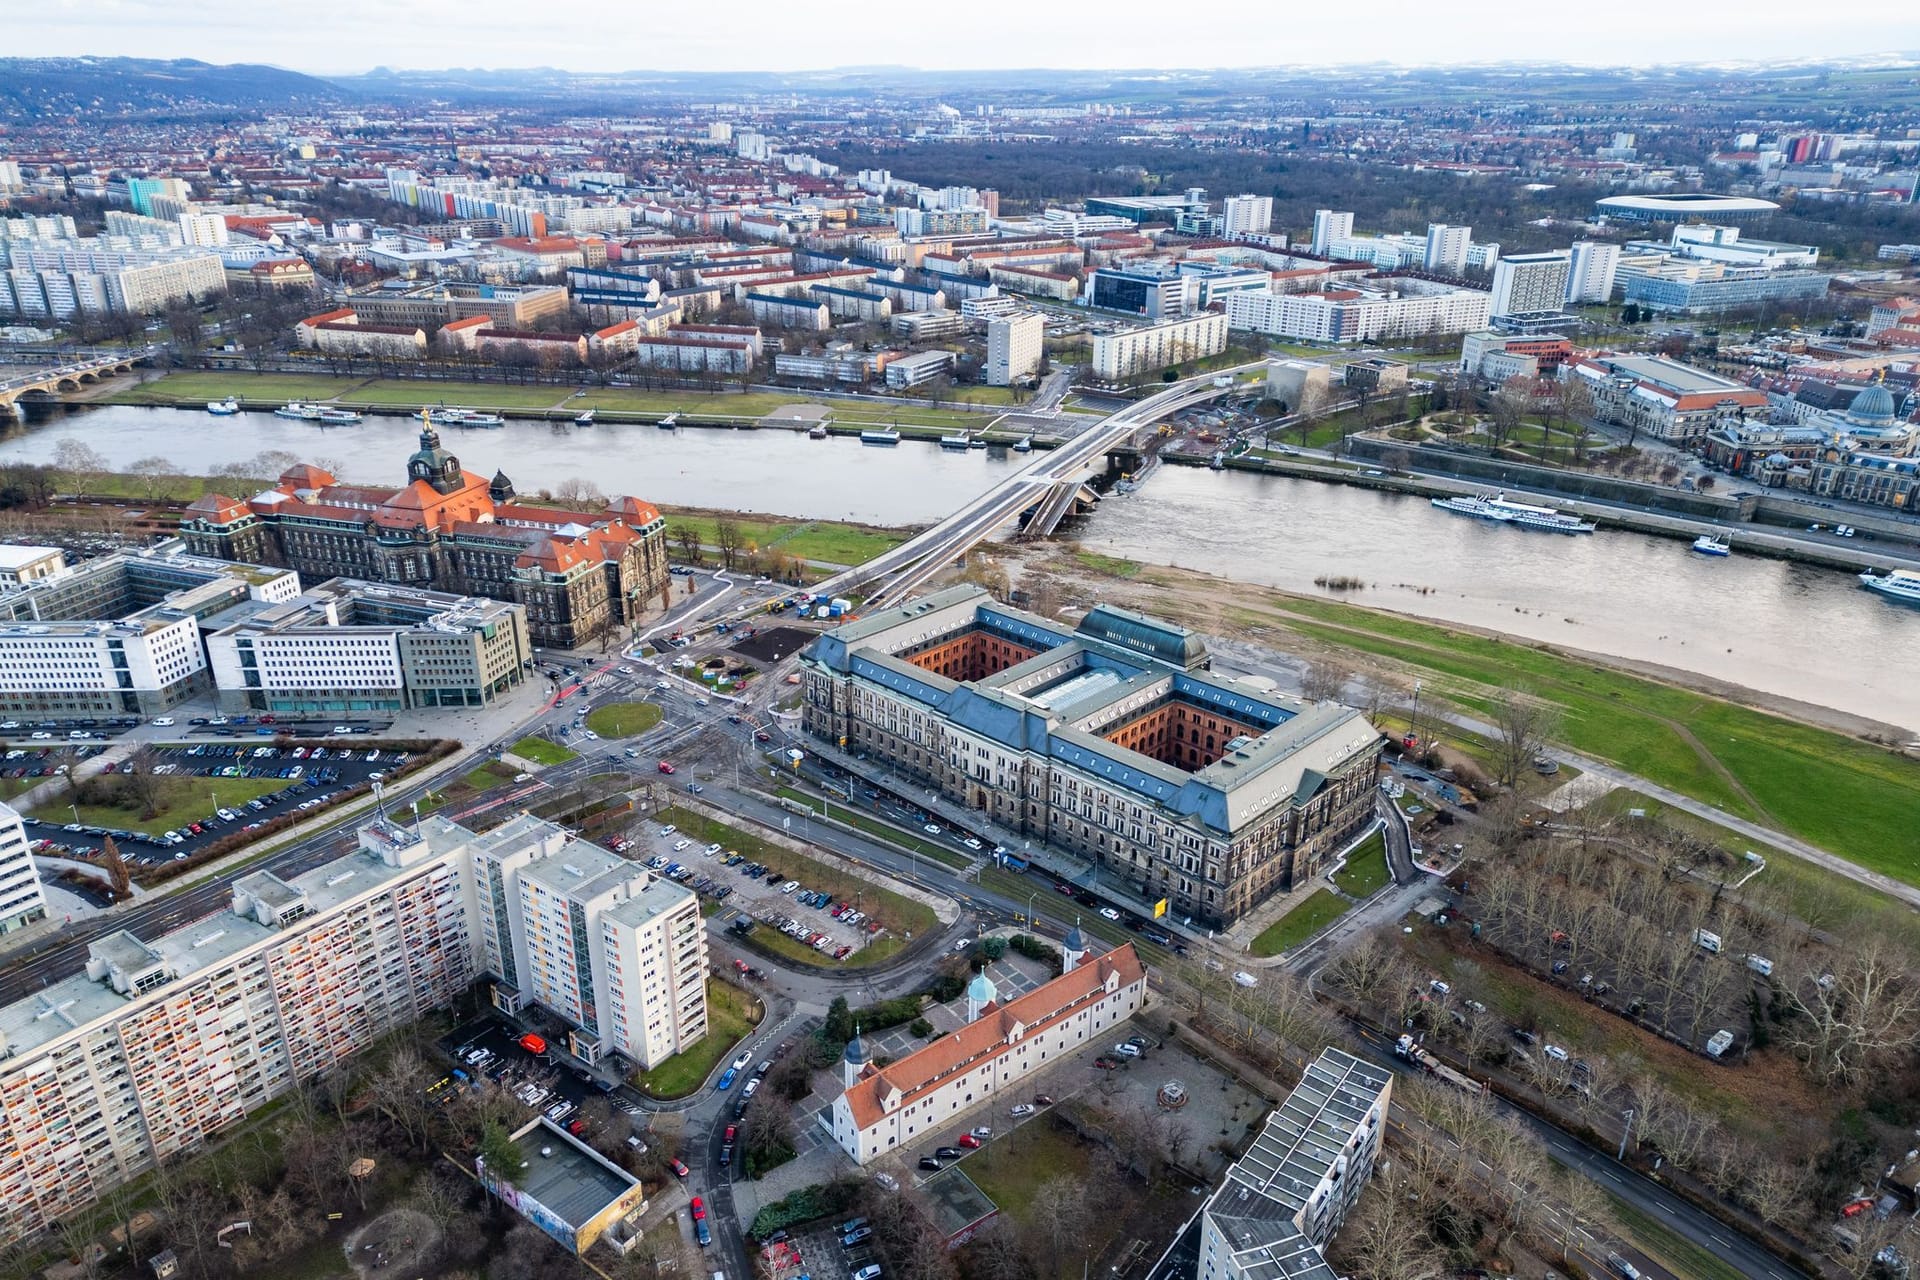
[583, 418]
[1899, 585]
[879, 435]
[1708, 544]
[223, 408]
[1524, 515]
[331, 417]
[299, 410]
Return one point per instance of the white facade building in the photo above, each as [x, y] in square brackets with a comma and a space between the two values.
[1446, 249]
[1015, 346]
[1246, 215]
[1531, 283]
[1156, 347]
[883, 1108]
[1590, 269]
[1359, 315]
[21, 900]
[1330, 225]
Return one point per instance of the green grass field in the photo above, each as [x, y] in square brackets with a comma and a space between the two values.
[1320, 909]
[182, 800]
[731, 1016]
[540, 751]
[623, 719]
[203, 385]
[837, 543]
[1840, 793]
[1012, 1168]
[1366, 871]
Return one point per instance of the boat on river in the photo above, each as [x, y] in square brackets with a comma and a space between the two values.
[959, 440]
[1023, 445]
[333, 417]
[583, 418]
[1899, 585]
[299, 410]
[818, 431]
[453, 417]
[1708, 544]
[223, 408]
[879, 435]
[1520, 514]
[669, 422]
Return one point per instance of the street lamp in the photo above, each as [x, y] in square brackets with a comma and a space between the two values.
[1628, 1115]
[1030, 898]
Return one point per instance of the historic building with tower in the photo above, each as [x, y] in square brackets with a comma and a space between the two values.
[882, 1108]
[577, 573]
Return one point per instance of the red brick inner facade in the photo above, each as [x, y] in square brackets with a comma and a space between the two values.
[971, 655]
[1181, 734]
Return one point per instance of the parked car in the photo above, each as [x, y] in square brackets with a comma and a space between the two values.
[929, 1164]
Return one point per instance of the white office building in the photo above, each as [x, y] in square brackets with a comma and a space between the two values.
[1281, 1203]
[1531, 283]
[1330, 225]
[1015, 346]
[1412, 309]
[1247, 215]
[1446, 248]
[1591, 266]
[1160, 346]
[21, 900]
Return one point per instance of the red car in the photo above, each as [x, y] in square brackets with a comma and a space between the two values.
[1063, 888]
[728, 1135]
[762, 736]
[741, 966]
[698, 1209]
[678, 1166]
[970, 1142]
[666, 766]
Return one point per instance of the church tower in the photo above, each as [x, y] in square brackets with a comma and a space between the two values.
[1073, 950]
[432, 463]
[855, 1060]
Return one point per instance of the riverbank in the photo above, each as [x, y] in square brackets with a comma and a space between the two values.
[547, 402]
[1835, 780]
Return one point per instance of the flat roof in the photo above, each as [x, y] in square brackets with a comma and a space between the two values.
[566, 1177]
[1671, 374]
[13, 556]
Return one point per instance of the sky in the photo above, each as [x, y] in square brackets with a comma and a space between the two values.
[345, 36]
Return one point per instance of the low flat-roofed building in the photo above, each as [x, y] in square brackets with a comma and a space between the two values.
[21, 566]
[568, 1190]
[1672, 401]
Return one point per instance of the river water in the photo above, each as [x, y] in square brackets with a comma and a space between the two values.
[1787, 629]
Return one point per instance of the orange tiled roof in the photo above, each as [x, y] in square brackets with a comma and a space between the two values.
[217, 507]
[908, 1079]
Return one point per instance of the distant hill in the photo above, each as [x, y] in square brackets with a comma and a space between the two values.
[34, 88]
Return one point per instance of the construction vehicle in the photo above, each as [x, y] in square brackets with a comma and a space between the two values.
[1407, 1048]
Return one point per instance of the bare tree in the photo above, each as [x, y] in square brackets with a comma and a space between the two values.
[1388, 1238]
[1867, 1007]
[118, 876]
[575, 491]
[79, 462]
[1322, 681]
[1522, 723]
[399, 1090]
[687, 538]
[726, 534]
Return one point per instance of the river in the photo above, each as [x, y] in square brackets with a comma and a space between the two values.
[1787, 629]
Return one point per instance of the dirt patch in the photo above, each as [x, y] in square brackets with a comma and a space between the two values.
[770, 645]
[395, 1245]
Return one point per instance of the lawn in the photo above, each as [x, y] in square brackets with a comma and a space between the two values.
[1321, 908]
[902, 916]
[1840, 793]
[623, 719]
[1012, 1168]
[838, 543]
[540, 751]
[1113, 565]
[731, 1016]
[875, 827]
[203, 385]
[182, 800]
[1366, 871]
[985, 395]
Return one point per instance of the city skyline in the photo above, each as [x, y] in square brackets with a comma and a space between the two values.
[492, 34]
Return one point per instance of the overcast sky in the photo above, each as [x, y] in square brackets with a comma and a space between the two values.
[340, 36]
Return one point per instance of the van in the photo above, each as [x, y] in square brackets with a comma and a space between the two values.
[1707, 942]
[1760, 965]
[523, 777]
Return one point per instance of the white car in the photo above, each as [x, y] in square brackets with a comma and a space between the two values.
[1242, 978]
[668, 830]
[626, 671]
[740, 1063]
[1110, 914]
[164, 722]
[711, 849]
[682, 845]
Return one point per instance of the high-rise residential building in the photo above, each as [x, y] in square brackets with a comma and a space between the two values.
[1590, 269]
[21, 899]
[1330, 225]
[1247, 215]
[165, 1041]
[1531, 283]
[1015, 346]
[204, 229]
[1447, 248]
[1358, 315]
[10, 175]
[141, 192]
[1281, 1202]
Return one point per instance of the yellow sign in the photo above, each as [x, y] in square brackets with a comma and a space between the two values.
[1160, 909]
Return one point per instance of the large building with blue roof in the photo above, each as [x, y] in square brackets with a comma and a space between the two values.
[1112, 740]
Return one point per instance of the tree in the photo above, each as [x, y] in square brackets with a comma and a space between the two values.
[157, 476]
[79, 462]
[399, 1090]
[726, 533]
[578, 492]
[1866, 1008]
[500, 1152]
[118, 876]
[1388, 1239]
[1508, 408]
[1322, 681]
[687, 538]
[1522, 724]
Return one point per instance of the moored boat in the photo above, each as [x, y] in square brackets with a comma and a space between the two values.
[223, 408]
[1525, 515]
[332, 417]
[583, 419]
[1023, 445]
[669, 422]
[879, 435]
[818, 431]
[959, 440]
[1899, 585]
[299, 410]
[1708, 544]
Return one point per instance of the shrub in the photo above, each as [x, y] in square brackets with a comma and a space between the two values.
[993, 948]
[808, 1204]
[921, 1028]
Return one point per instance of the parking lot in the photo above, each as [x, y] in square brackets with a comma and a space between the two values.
[761, 892]
[542, 1083]
[109, 728]
[314, 775]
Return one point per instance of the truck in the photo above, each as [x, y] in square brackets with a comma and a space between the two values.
[1707, 941]
[1407, 1048]
[1719, 1042]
